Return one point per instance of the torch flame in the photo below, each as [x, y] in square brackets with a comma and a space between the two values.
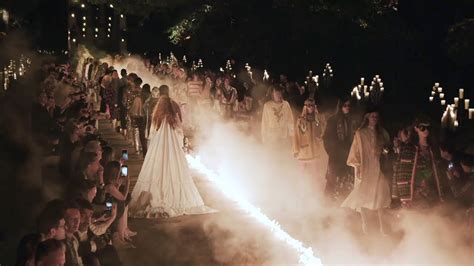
[306, 255]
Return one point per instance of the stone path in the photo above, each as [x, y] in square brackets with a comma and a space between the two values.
[228, 237]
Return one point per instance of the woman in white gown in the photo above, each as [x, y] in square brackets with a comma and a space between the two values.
[371, 188]
[165, 187]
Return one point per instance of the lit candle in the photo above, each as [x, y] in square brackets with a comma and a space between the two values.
[471, 113]
[440, 89]
[456, 101]
[461, 93]
[466, 104]
[441, 95]
[443, 102]
[433, 93]
[431, 98]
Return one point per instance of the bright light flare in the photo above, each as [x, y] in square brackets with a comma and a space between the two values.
[306, 255]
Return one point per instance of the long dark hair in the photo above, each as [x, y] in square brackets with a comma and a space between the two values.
[164, 109]
[379, 130]
[111, 172]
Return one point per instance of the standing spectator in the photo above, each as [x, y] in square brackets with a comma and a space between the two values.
[371, 188]
[121, 92]
[149, 106]
[137, 118]
[416, 178]
[338, 138]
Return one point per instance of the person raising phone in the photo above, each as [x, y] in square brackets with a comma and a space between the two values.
[119, 193]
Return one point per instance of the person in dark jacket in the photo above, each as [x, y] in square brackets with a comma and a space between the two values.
[337, 139]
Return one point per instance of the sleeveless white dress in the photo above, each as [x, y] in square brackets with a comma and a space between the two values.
[165, 187]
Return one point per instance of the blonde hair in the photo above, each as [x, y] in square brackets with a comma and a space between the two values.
[309, 101]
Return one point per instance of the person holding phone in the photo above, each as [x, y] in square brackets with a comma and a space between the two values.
[118, 192]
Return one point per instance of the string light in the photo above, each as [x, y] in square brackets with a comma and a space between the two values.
[108, 29]
[110, 25]
[83, 35]
[110, 18]
[121, 15]
[73, 15]
[74, 40]
[123, 40]
[83, 29]
[84, 18]
[96, 29]
[111, 6]
[95, 35]
[84, 24]
[108, 35]
[83, 5]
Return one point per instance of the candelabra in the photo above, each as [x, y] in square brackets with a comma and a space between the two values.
[376, 90]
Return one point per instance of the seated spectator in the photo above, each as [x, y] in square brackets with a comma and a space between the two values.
[88, 167]
[121, 197]
[50, 252]
[26, 250]
[72, 218]
[108, 154]
[51, 221]
[87, 190]
[94, 248]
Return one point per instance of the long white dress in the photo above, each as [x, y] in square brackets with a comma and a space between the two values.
[371, 188]
[165, 185]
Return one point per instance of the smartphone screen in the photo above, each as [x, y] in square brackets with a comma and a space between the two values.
[124, 170]
[125, 155]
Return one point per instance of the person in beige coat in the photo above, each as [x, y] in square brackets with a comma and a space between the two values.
[371, 188]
